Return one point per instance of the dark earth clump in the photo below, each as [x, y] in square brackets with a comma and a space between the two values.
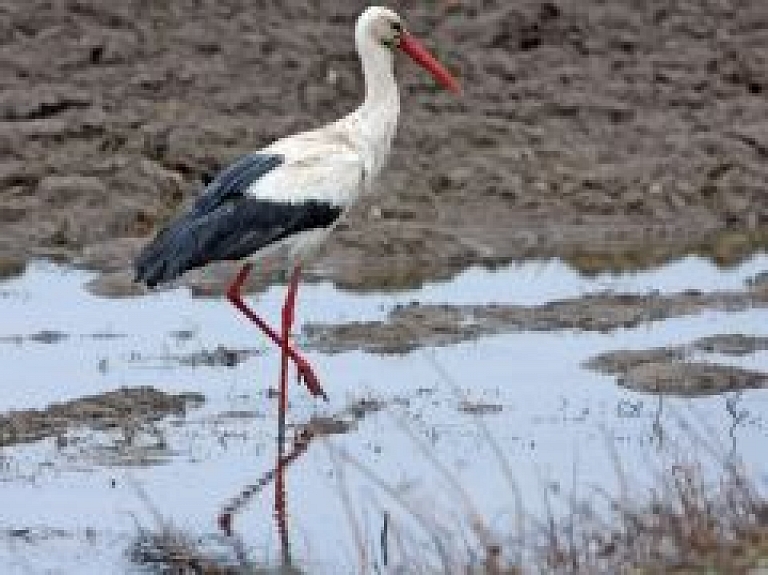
[612, 134]
[124, 408]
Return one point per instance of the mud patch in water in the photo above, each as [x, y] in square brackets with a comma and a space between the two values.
[44, 336]
[124, 408]
[479, 408]
[732, 344]
[220, 356]
[413, 326]
[668, 370]
[51, 336]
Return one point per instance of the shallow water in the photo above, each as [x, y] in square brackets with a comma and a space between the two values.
[557, 425]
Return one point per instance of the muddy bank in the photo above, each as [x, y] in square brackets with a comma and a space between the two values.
[413, 326]
[126, 408]
[606, 133]
[668, 369]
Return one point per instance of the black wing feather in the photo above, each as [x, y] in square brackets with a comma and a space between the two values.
[234, 180]
[224, 224]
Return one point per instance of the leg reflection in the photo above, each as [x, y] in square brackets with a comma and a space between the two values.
[299, 446]
[281, 516]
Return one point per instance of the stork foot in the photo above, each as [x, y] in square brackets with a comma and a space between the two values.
[305, 371]
[307, 375]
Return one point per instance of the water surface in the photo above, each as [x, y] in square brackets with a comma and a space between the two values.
[556, 423]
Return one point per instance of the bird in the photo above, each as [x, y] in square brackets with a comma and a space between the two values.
[277, 205]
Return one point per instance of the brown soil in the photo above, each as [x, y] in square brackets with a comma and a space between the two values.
[415, 325]
[667, 370]
[125, 408]
[608, 133]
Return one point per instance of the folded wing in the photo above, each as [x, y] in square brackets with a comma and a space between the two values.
[257, 201]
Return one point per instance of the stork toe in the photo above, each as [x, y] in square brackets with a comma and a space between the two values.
[307, 375]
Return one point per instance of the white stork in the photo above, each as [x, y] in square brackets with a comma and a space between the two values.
[283, 200]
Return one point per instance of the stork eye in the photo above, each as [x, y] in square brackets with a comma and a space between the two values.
[397, 27]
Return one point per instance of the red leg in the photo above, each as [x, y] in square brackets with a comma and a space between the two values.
[280, 514]
[285, 343]
[289, 306]
[236, 299]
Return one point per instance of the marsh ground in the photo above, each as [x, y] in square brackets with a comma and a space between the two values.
[569, 256]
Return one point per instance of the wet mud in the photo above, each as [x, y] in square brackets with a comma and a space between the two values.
[414, 326]
[669, 370]
[610, 134]
[732, 344]
[126, 409]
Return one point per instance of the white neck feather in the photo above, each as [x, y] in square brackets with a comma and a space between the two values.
[378, 114]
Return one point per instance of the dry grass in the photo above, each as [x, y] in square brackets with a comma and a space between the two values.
[171, 552]
[684, 526]
[704, 515]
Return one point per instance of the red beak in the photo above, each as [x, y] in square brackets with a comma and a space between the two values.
[423, 58]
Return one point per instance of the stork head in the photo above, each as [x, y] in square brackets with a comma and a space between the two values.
[385, 28]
